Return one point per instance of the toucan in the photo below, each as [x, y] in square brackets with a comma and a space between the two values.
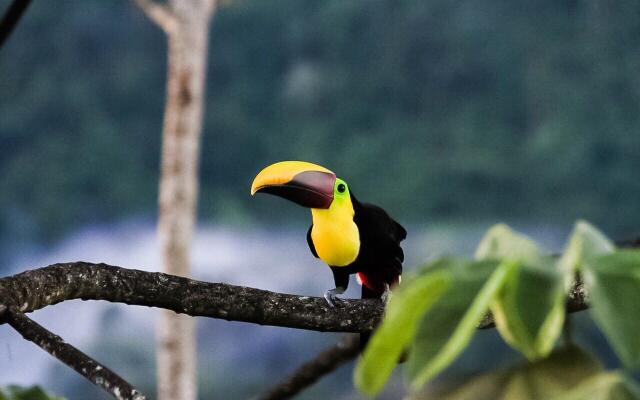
[349, 236]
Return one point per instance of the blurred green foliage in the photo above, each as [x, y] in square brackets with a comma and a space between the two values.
[568, 374]
[614, 284]
[393, 338]
[529, 313]
[473, 110]
[26, 393]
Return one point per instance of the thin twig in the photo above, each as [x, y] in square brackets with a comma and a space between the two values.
[83, 364]
[160, 14]
[11, 18]
[308, 373]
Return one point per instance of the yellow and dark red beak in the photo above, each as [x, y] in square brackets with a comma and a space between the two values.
[304, 183]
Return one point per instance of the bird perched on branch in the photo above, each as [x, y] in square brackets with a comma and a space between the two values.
[349, 236]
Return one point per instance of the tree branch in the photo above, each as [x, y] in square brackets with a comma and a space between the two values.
[160, 14]
[308, 373]
[36, 289]
[11, 18]
[33, 290]
[86, 366]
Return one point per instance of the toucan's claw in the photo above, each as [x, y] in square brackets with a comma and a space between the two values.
[331, 296]
[386, 295]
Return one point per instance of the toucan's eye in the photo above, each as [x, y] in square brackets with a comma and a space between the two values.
[341, 188]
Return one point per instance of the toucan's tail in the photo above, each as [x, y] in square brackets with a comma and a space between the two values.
[367, 293]
[364, 339]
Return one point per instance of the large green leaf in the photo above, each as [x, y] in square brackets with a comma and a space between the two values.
[502, 243]
[448, 326]
[604, 386]
[613, 284]
[398, 328]
[586, 241]
[545, 379]
[529, 309]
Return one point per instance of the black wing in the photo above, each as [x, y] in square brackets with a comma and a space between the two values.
[380, 237]
[310, 242]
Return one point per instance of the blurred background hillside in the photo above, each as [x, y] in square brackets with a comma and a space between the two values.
[451, 115]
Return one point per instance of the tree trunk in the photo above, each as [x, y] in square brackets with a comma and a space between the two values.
[186, 23]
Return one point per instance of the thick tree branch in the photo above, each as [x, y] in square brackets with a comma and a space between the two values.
[11, 18]
[86, 366]
[33, 290]
[36, 289]
[308, 373]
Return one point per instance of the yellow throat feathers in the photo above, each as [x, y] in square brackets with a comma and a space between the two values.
[334, 234]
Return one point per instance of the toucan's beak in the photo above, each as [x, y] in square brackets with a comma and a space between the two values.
[304, 183]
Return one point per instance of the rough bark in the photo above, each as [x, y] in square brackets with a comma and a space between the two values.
[86, 366]
[36, 289]
[186, 23]
[33, 290]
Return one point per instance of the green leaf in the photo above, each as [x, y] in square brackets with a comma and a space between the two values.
[604, 386]
[408, 304]
[502, 243]
[529, 311]
[545, 379]
[448, 326]
[613, 284]
[586, 241]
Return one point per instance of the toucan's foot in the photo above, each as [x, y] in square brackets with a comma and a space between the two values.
[386, 295]
[331, 296]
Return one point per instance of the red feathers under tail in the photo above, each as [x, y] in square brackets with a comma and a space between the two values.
[373, 289]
